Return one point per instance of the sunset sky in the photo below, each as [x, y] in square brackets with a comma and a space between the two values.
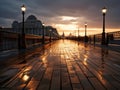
[66, 15]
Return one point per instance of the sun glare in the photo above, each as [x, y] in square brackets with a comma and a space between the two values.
[65, 18]
[66, 26]
[70, 25]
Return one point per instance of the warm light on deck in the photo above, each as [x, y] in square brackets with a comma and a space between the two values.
[25, 77]
[85, 59]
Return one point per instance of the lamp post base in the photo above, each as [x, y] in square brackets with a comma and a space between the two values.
[103, 39]
[86, 39]
[22, 42]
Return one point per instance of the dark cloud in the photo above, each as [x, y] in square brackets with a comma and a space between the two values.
[50, 10]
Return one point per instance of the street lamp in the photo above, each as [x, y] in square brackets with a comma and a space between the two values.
[43, 34]
[23, 42]
[50, 34]
[85, 32]
[104, 10]
[78, 33]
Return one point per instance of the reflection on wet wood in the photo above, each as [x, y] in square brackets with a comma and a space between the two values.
[65, 66]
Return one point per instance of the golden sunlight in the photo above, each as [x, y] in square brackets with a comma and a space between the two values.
[66, 26]
[64, 18]
[71, 25]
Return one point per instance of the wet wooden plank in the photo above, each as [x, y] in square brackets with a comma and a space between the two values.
[24, 76]
[107, 62]
[78, 71]
[85, 69]
[66, 84]
[21, 70]
[100, 76]
[112, 81]
[96, 84]
[20, 87]
[94, 69]
[45, 82]
[55, 83]
[72, 74]
[77, 86]
[32, 85]
[86, 84]
[65, 79]
[39, 74]
[109, 69]
[71, 70]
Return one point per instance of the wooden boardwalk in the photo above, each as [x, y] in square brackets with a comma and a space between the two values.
[64, 65]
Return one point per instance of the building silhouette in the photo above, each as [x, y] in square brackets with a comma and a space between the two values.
[9, 37]
[32, 26]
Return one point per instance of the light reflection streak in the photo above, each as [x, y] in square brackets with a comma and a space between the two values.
[28, 69]
[66, 56]
[25, 72]
[100, 76]
[104, 53]
[44, 60]
[85, 61]
[25, 77]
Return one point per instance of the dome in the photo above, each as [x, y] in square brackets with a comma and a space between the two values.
[31, 18]
[15, 24]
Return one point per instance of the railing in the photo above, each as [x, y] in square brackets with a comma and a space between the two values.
[10, 40]
[111, 37]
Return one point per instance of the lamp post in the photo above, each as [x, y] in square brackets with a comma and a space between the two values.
[23, 41]
[50, 34]
[43, 34]
[85, 32]
[104, 10]
[78, 33]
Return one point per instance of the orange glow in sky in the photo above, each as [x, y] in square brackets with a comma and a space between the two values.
[66, 27]
[68, 18]
[71, 25]
[65, 16]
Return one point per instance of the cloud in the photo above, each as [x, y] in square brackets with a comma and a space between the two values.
[49, 11]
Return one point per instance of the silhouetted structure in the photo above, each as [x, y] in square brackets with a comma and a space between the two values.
[104, 10]
[22, 40]
[32, 26]
[9, 37]
[86, 38]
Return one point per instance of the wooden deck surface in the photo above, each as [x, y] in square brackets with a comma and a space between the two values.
[64, 65]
